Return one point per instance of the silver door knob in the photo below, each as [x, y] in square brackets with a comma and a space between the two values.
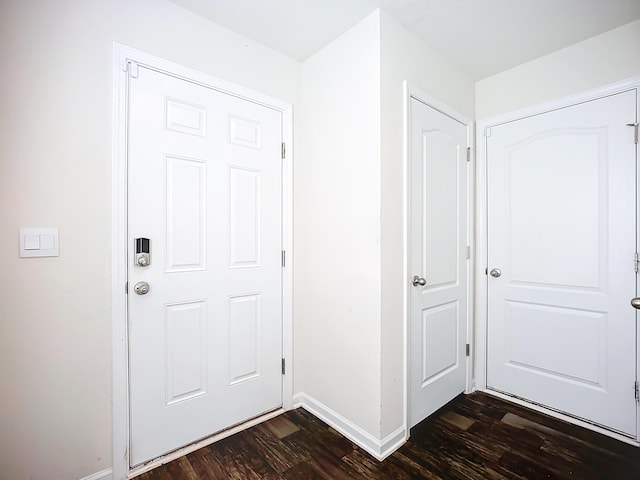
[495, 272]
[418, 281]
[141, 288]
[635, 302]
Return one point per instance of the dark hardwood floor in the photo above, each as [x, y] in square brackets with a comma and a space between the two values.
[473, 437]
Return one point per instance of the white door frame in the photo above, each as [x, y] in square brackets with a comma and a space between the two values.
[411, 91]
[122, 57]
[481, 280]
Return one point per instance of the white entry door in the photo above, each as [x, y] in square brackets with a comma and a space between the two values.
[205, 342]
[438, 259]
[561, 245]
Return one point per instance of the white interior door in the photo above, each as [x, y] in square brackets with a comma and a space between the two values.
[438, 259]
[205, 342]
[562, 238]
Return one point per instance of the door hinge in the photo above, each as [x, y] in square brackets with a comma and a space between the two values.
[468, 349]
[283, 366]
[637, 391]
[126, 288]
[468, 154]
[284, 150]
[468, 252]
[635, 131]
[132, 68]
[486, 271]
[284, 258]
[636, 261]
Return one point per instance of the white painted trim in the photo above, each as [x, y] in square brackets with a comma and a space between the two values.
[637, 250]
[406, 303]
[120, 373]
[287, 245]
[121, 55]
[202, 443]
[411, 91]
[482, 238]
[379, 449]
[481, 261]
[471, 264]
[106, 474]
[637, 84]
[563, 102]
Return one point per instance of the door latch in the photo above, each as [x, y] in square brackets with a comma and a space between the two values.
[635, 131]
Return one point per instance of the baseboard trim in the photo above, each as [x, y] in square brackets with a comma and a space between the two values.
[379, 449]
[106, 474]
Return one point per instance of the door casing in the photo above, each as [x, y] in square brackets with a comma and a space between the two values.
[481, 279]
[125, 58]
[411, 91]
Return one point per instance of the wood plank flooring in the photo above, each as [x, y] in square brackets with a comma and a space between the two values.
[475, 436]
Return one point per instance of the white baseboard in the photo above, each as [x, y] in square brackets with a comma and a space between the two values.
[106, 474]
[379, 449]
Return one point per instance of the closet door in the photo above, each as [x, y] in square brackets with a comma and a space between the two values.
[561, 271]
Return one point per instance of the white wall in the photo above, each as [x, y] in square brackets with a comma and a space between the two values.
[337, 228]
[349, 299]
[600, 60]
[403, 57]
[55, 170]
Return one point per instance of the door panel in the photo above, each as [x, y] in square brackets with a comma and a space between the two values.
[562, 230]
[441, 191]
[439, 341]
[244, 334]
[244, 218]
[185, 221]
[438, 236]
[186, 352]
[205, 188]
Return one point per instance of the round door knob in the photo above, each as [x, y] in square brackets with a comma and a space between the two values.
[635, 302]
[418, 281]
[495, 272]
[141, 288]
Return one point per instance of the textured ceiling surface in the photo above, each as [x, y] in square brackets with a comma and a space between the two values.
[482, 37]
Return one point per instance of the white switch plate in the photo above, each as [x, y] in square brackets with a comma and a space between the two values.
[39, 242]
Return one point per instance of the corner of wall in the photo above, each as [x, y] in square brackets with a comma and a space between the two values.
[378, 448]
[337, 198]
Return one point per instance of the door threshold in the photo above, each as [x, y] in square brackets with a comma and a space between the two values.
[180, 452]
[562, 416]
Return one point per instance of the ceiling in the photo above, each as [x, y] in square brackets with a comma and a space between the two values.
[483, 37]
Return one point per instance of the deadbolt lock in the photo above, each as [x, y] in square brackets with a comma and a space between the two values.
[143, 252]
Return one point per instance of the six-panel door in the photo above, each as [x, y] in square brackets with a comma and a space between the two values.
[205, 342]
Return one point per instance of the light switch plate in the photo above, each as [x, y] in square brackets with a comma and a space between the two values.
[39, 242]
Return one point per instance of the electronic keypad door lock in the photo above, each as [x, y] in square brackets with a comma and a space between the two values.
[143, 254]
